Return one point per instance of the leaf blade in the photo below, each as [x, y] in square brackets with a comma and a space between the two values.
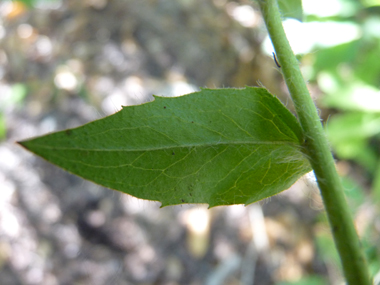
[207, 147]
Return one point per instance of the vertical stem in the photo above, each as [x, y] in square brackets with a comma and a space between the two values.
[341, 222]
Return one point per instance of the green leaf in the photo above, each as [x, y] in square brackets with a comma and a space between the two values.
[291, 9]
[33, 3]
[307, 280]
[3, 126]
[221, 147]
[349, 134]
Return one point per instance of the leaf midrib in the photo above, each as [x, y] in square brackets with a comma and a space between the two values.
[294, 144]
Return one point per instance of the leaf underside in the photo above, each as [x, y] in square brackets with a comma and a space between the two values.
[216, 146]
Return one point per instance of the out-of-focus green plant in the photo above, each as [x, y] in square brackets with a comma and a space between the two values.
[11, 98]
[291, 9]
[27, 3]
[3, 130]
[33, 3]
[311, 280]
[348, 74]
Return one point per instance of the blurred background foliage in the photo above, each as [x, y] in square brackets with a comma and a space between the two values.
[346, 75]
[51, 68]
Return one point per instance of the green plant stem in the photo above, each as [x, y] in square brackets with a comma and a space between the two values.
[317, 148]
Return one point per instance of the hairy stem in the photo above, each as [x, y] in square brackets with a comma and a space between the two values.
[341, 222]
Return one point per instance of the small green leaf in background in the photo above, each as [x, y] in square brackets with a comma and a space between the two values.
[291, 9]
[18, 93]
[349, 134]
[310, 280]
[3, 126]
[33, 3]
[9, 100]
[27, 3]
[221, 147]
